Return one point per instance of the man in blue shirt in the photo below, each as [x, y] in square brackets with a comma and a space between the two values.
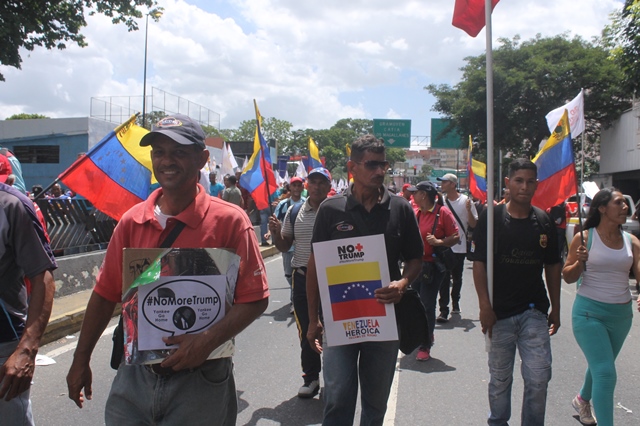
[216, 187]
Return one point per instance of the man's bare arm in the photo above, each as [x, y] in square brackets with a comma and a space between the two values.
[17, 371]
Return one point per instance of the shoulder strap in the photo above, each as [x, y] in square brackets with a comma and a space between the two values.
[435, 222]
[456, 216]
[590, 238]
[171, 238]
[294, 213]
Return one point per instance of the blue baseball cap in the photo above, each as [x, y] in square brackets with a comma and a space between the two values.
[321, 170]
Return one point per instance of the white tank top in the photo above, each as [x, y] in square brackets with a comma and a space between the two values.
[607, 276]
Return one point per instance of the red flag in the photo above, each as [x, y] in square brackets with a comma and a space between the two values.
[468, 15]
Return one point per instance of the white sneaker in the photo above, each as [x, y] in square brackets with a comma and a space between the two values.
[309, 389]
[584, 410]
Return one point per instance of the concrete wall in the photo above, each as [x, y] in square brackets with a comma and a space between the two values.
[78, 272]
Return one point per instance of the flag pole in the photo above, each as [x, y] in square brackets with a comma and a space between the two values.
[262, 158]
[490, 160]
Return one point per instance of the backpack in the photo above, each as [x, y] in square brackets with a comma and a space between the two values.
[500, 216]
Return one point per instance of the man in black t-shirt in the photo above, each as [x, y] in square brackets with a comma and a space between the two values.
[366, 208]
[525, 243]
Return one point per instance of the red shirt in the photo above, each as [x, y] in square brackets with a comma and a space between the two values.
[446, 226]
[210, 223]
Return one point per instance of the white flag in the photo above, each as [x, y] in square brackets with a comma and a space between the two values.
[229, 163]
[576, 115]
[301, 172]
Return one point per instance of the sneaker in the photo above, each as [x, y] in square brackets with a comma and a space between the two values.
[456, 310]
[442, 318]
[584, 410]
[423, 355]
[309, 389]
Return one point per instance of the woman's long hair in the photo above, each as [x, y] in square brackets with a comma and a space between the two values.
[602, 198]
[435, 197]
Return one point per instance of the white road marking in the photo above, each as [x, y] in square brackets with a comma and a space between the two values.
[71, 346]
[390, 416]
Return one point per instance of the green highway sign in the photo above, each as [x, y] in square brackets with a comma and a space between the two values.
[396, 133]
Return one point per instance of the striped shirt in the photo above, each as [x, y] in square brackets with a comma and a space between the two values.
[301, 233]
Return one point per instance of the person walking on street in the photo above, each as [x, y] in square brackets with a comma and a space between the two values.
[24, 253]
[525, 243]
[438, 229]
[602, 310]
[365, 208]
[192, 385]
[295, 189]
[466, 216]
[296, 230]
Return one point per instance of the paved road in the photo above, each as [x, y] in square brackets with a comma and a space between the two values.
[449, 389]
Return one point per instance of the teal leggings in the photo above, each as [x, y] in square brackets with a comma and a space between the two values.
[600, 330]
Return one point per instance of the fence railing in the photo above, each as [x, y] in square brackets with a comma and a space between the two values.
[75, 226]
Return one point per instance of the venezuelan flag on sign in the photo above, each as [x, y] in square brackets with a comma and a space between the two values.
[257, 176]
[314, 155]
[556, 168]
[116, 173]
[477, 176]
[351, 290]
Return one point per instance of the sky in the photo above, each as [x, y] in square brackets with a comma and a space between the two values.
[309, 63]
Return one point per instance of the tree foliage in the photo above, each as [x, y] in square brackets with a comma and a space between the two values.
[532, 78]
[52, 23]
[622, 38]
[24, 116]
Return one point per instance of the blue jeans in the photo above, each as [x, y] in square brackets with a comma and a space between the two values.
[264, 223]
[18, 410]
[600, 330]
[203, 396]
[374, 363]
[428, 285]
[529, 332]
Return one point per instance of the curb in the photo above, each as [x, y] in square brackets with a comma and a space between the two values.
[70, 322]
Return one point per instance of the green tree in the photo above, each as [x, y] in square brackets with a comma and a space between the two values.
[622, 38]
[24, 116]
[530, 79]
[52, 23]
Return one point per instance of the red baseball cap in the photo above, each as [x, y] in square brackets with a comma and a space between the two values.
[5, 168]
[295, 179]
[405, 186]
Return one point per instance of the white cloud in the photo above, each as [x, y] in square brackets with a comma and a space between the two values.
[309, 63]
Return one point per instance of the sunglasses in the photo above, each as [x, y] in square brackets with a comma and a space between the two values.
[374, 164]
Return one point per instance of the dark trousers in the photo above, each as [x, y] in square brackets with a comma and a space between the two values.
[454, 282]
[310, 359]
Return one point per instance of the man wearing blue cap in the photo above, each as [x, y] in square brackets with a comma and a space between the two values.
[297, 227]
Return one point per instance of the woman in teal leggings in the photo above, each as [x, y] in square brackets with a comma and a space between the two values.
[602, 311]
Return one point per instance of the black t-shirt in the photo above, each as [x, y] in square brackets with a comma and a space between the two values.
[522, 248]
[342, 216]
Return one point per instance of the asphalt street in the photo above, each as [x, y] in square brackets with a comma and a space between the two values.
[449, 389]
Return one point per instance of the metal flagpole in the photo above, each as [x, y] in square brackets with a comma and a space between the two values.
[490, 159]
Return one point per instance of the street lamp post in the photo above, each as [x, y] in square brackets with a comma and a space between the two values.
[155, 14]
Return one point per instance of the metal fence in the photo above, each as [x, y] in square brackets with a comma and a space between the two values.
[75, 226]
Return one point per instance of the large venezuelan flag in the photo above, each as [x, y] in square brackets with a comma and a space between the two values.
[556, 168]
[477, 176]
[116, 173]
[351, 290]
[257, 176]
[314, 155]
